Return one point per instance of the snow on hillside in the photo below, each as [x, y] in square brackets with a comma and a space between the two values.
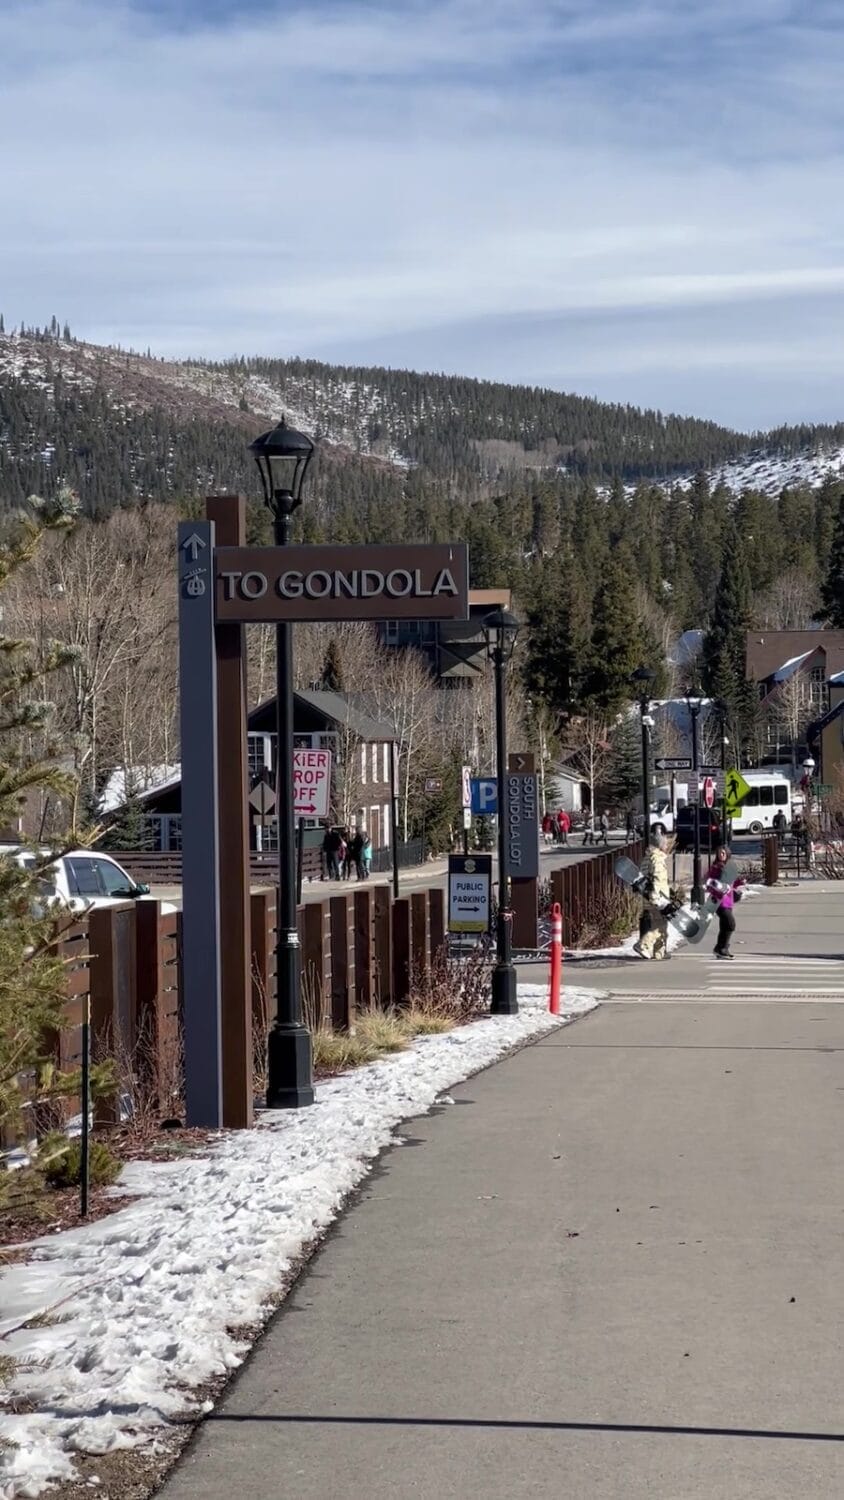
[350, 413]
[772, 472]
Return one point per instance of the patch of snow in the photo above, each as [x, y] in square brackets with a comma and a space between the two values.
[122, 784]
[789, 667]
[147, 1297]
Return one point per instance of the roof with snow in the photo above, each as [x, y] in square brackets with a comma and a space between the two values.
[768, 650]
[789, 667]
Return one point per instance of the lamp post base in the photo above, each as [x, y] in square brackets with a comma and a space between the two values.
[289, 1068]
[504, 1002]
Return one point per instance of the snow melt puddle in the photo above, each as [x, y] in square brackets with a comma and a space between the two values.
[144, 1300]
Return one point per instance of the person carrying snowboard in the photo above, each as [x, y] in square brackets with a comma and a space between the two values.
[657, 893]
[725, 895]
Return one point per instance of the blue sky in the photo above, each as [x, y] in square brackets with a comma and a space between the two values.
[636, 199]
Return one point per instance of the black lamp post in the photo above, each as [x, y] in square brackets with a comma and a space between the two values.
[282, 457]
[722, 709]
[643, 679]
[501, 629]
[694, 703]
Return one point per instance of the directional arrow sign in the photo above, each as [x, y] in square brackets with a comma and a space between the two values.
[193, 545]
[674, 763]
[736, 789]
[521, 761]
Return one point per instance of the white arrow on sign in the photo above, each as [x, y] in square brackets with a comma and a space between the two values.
[192, 545]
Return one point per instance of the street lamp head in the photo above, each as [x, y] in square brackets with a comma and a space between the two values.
[643, 677]
[501, 628]
[282, 456]
[694, 699]
[809, 765]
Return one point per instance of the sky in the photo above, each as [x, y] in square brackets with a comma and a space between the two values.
[635, 199]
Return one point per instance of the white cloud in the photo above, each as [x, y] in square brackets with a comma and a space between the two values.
[331, 176]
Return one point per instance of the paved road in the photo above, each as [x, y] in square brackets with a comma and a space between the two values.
[789, 944]
[433, 873]
[609, 1271]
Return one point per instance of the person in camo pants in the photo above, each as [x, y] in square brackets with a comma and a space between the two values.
[653, 931]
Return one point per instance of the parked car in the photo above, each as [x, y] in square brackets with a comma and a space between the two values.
[708, 822]
[84, 879]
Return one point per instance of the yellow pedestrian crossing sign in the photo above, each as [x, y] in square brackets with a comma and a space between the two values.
[735, 791]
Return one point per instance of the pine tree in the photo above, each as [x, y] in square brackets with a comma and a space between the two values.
[623, 778]
[832, 589]
[332, 668]
[558, 635]
[616, 645]
[32, 977]
[127, 829]
[725, 644]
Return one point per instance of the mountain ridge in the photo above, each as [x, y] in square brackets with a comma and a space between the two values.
[164, 426]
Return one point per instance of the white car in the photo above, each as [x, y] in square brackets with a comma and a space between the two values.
[85, 880]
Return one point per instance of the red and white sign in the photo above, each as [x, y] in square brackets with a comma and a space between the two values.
[709, 791]
[311, 783]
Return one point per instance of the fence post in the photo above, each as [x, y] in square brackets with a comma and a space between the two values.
[364, 976]
[556, 958]
[113, 994]
[262, 992]
[401, 951]
[436, 919]
[383, 935]
[419, 934]
[316, 958]
[149, 984]
[342, 974]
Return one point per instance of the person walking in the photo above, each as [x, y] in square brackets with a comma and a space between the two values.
[332, 846]
[605, 828]
[780, 824]
[362, 850]
[563, 825]
[548, 828]
[589, 830]
[347, 857]
[653, 928]
[725, 895]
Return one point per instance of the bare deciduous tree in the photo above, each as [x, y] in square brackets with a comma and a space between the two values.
[586, 747]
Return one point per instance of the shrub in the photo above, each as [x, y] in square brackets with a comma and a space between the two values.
[384, 1030]
[455, 989]
[63, 1169]
[335, 1051]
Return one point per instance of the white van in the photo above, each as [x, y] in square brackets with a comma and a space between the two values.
[770, 793]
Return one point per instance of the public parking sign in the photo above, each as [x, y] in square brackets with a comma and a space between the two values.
[311, 783]
[469, 887]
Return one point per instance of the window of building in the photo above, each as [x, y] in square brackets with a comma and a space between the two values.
[374, 762]
[819, 689]
[259, 752]
[391, 632]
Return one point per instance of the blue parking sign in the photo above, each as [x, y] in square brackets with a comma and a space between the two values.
[484, 796]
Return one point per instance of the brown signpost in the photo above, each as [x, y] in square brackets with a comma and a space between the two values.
[278, 585]
[521, 769]
[413, 582]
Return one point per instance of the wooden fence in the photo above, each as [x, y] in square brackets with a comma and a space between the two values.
[585, 888]
[358, 950]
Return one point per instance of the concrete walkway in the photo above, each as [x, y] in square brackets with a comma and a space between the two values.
[609, 1271]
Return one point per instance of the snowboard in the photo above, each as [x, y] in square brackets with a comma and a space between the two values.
[690, 921]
